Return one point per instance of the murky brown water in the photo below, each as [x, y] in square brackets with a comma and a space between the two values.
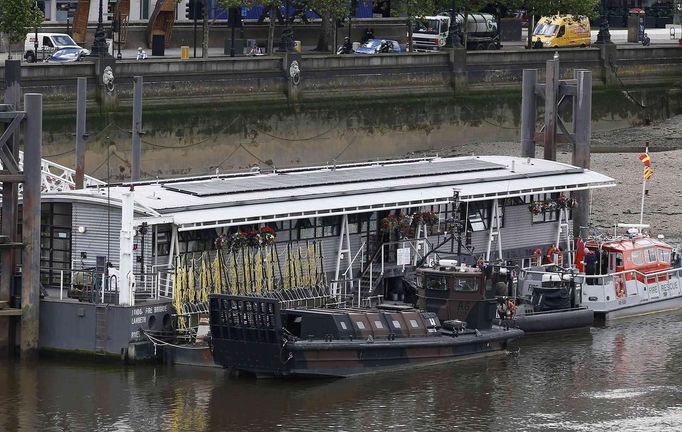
[624, 377]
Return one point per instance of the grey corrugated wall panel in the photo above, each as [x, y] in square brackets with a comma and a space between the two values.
[102, 228]
[519, 236]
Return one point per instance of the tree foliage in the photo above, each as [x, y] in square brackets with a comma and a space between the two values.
[553, 7]
[413, 10]
[329, 11]
[18, 17]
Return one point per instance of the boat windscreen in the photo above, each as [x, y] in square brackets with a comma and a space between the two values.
[463, 284]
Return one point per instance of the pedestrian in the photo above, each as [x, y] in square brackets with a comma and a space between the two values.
[141, 54]
[590, 265]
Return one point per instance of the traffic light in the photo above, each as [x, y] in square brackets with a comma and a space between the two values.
[194, 9]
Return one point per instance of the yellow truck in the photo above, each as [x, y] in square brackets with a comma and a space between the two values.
[562, 31]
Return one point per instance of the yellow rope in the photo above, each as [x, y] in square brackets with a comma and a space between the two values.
[191, 283]
[218, 273]
[232, 262]
[258, 267]
[204, 277]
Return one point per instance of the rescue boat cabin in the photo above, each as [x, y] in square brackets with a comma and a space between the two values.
[636, 256]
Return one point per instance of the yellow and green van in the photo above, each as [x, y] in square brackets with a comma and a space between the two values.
[562, 31]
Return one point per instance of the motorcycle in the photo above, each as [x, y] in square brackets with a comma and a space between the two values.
[346, 48]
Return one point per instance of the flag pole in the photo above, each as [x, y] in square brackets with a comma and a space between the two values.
[641, 207]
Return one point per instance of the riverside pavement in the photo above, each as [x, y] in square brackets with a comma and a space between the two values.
[666, 36]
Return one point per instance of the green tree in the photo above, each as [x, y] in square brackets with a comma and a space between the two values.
[271, 5]
[330, 11]
[413, 11]
[17, 18]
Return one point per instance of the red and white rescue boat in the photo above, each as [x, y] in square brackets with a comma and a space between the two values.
[623, 276]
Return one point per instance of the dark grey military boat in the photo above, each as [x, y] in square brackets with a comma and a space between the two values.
[260, 336]
[549, 301]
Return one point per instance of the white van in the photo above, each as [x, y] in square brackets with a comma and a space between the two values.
[47, 44]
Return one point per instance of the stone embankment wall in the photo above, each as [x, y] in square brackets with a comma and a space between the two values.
[323, 77]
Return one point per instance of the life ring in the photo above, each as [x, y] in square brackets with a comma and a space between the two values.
[549, 256]
[559, 256]
[536, 258]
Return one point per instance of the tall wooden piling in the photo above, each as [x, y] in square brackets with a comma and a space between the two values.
[80, 132]
[581, 151]
[30, 292]
[137, 129]
[551, 89]
[528, 116]
[10, 198]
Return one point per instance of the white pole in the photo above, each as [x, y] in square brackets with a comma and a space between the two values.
[641, 207]
[126, 249]
[61, 285]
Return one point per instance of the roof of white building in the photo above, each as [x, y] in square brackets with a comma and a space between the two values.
[251, 197]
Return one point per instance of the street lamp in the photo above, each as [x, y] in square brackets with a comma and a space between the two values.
[604, 36]
[35, 29]
[117, 27]
[99, 47]
[452, 40]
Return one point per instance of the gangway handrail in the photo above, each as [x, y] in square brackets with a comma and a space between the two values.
[56, 177]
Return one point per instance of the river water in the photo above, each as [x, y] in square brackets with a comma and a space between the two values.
[626, 376]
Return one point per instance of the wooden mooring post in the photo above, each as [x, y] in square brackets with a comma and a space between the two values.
[11, 175]
[557, 93]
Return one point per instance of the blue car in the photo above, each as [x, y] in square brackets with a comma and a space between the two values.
[377, 46]
[65, 55]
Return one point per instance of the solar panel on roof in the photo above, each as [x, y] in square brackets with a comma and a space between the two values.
[331, 177]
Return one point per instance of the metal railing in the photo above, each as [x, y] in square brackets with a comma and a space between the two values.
[347, 287]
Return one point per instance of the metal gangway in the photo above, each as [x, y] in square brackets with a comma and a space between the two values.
[55, 177]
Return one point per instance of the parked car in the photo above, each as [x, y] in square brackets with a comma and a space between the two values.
[65, 55]
[376, 46]
[522, 15]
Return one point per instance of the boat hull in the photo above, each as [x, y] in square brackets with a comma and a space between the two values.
[338, 358]
[552, 321]
[648, 307]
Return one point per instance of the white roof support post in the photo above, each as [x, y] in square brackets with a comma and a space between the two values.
[173, 253]
[344, 237]
[564, 226]
[494, 234]
[126, 286]
[421, 228]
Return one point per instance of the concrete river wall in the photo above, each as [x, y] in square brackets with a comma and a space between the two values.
[324, 77]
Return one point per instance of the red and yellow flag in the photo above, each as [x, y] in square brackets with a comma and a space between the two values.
[646, 160]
